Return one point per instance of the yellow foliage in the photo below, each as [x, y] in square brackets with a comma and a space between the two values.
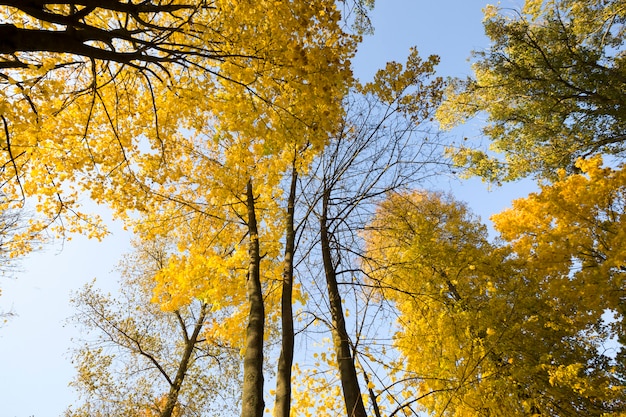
[116, 133]
[508, 336]
[573, 232]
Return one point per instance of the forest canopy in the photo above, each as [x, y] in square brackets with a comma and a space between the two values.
[293, 254]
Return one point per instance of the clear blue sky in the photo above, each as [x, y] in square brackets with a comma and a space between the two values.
[34, 361]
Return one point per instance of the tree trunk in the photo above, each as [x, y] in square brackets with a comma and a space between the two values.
[252, 396]
[282, 405]
[190, 343]
[345, 362]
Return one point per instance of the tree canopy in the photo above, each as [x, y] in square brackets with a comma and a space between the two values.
[274, 197]
[551, 86]
[74, 124]
[498, 328]
[134, 359]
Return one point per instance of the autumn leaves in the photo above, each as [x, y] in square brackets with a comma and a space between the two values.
[281, 186]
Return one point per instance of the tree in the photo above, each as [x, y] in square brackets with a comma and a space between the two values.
[485, 328]
[211, 145]
[224, 173]
[88, 125]
[282, 406]
[427, 254]
[551, 85]
[572, 234]
[143, 361]
[551, 88]
[379, 148]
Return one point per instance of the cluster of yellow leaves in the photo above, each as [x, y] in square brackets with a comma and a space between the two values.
[159, 404]
[315, 389]
[410, 87]
[573, 233]
[75, 125]
[509, 330]
[431, 260]
[271, 107]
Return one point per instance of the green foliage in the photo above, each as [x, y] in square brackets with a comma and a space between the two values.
[551, 85]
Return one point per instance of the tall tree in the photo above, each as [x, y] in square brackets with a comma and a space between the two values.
[225, 170]
[551, 85]
[572, 234]
[252, 393]
[382, 146]
[282, 406]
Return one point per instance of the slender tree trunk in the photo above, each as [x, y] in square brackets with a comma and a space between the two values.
[282, 405]
[373, 398]
[190, 343]
[252, 396]
[345, 362]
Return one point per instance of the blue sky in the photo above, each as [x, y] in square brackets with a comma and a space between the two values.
[34, 361]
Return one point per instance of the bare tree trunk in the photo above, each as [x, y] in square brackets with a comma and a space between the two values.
[282, 405]
[252, 396]
[190, 343]
[345, 361]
